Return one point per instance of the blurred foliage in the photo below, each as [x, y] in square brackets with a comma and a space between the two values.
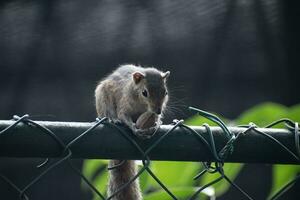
[178, 176]
[96, 172]
[263, 115]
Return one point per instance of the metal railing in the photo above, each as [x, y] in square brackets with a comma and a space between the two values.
[213, 146]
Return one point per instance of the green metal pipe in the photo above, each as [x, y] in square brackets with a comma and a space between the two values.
[105, 142]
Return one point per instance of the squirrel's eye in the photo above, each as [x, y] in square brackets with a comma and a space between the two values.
[166, 93]
[145, 93]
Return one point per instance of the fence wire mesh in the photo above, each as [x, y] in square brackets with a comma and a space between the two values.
[220, 154]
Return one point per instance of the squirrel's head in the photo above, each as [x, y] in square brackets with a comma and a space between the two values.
[152, 88]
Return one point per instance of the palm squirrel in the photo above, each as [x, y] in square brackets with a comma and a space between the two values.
[124, 96]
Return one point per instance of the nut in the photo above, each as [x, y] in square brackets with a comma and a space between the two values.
[146, 120]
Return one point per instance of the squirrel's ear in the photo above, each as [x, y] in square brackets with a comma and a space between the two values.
[137, 77]
[165, 75]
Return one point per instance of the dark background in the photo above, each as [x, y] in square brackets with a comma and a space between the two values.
[224, 56]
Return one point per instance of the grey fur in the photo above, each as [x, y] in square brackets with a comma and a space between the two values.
[120, 98]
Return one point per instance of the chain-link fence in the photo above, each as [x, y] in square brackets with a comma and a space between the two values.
[213, 146]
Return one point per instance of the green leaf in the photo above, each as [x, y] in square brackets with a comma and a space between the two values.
[230, 169]
[263, 114]
[174, 173]
[198, 120]
[145, 182]
[282, 174]
[90, 170]
[294, 113]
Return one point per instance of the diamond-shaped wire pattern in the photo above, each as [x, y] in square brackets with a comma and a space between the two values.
[209, 167]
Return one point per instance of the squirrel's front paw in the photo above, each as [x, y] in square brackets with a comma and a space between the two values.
[117, 122]
[145, 133]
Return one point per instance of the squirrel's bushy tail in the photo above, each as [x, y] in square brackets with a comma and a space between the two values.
[120, 176]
